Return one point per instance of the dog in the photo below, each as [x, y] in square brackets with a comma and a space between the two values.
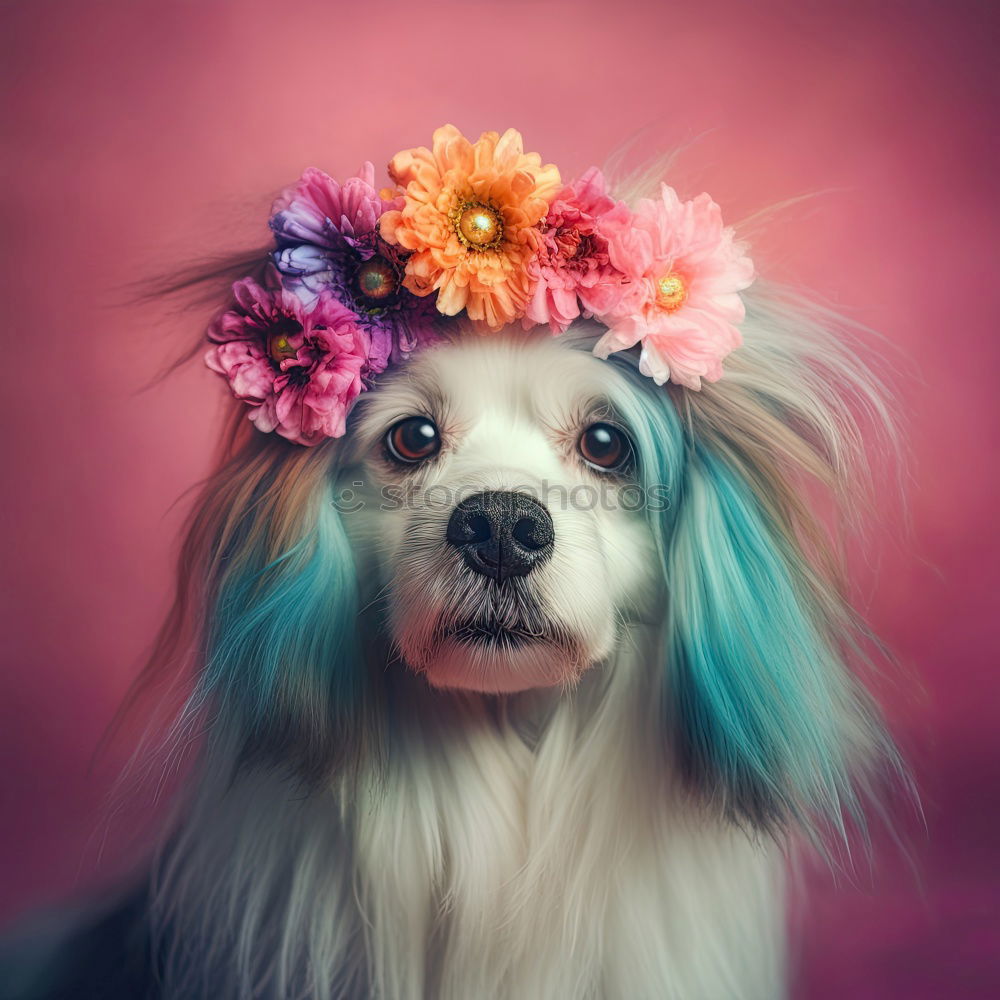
[506, 706]
[525, 686]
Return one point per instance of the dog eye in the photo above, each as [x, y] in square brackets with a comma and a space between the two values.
[605, 448]
[412, 440]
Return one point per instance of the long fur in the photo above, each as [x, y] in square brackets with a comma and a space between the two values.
[354, 833]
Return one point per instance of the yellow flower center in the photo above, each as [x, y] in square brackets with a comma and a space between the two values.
[279, 347]
[671, 292]
[376, 279]
[479, 226]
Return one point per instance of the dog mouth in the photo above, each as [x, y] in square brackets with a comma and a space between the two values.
[490, 633]
[490, 638]
[498, 619]
[499, 654]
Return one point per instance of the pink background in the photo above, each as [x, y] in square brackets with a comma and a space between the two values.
[144, 136]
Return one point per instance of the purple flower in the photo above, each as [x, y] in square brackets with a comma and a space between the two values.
[328, 243]
[299, 370]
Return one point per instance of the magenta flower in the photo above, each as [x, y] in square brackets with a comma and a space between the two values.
[573, 272]
[299, 370]
[686, 271]
[328, 242]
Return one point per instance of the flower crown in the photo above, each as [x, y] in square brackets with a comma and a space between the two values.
[360, 278]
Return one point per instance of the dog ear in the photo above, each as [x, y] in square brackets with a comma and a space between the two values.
[768, 718]
[282, 671]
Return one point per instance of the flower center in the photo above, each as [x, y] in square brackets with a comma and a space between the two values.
[279, 346]
[298, 375]
[479, 226]
[671, 292]
[579, 251]
[376, 279]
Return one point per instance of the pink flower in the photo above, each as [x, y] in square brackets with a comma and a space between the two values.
[683, 303]
[299, 371]
[573, 273]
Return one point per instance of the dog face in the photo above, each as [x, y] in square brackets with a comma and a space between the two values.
[499, 508]
[500, 515]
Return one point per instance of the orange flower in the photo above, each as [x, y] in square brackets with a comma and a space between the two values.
[469, 215]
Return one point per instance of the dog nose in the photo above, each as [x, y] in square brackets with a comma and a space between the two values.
[501, 533]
